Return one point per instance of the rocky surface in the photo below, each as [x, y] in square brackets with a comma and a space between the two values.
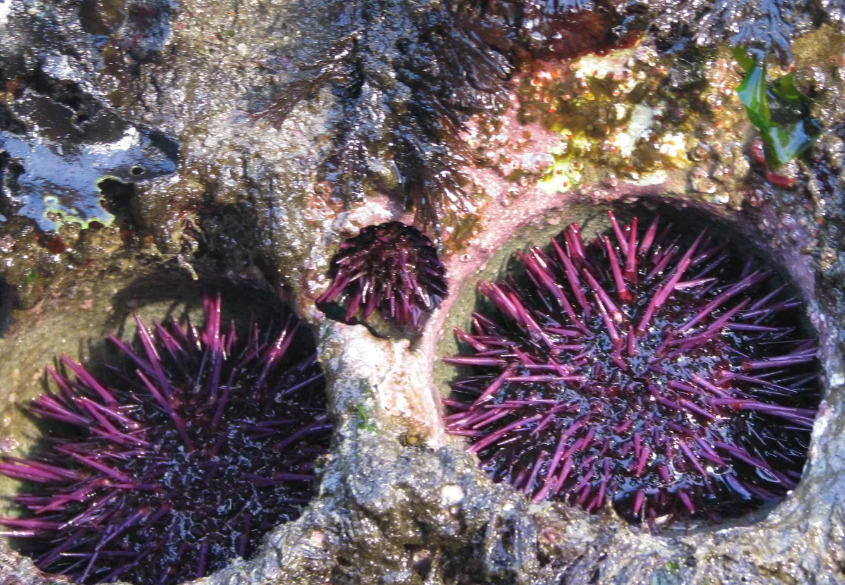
[91, 90]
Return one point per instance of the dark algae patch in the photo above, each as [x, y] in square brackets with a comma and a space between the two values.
[410, 75]
[765, 26]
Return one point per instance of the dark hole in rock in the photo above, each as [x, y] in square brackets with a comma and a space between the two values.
[7, 302]
[677, 381]
[421, 560]
[117, 198]
[116, 190]
[164, 459]
[9, 122]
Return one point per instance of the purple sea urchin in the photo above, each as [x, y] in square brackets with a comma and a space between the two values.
[391, 267]
[204, 442]
[657, 376]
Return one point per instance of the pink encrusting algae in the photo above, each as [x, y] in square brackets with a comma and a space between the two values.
[393, 268]
[639, 370]
[199, 444]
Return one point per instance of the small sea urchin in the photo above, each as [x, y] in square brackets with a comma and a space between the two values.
[653, 374]
[204, 441]
[391, 267]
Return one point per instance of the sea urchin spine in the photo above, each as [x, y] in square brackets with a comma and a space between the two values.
[391, 267]
[643, 372]
[202, 443]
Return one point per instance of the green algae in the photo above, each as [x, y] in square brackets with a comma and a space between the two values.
[778, 110]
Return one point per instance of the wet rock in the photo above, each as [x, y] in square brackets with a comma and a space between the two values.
[766, 26]
[145, 29]
[55, 170]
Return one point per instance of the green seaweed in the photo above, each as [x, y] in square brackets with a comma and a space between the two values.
[752, 93]
[365, 419]
[778, 109]
[784, 143]
[785, 90]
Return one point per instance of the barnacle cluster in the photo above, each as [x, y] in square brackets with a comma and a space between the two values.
[641, 370]
[177, 462]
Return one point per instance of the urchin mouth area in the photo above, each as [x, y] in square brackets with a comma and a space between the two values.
[653, 369]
